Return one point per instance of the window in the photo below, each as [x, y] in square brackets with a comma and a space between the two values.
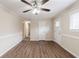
[74, 22]
[57, 23]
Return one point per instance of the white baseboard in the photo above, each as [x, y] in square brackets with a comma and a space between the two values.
[9, 41]
[33, 40]
[39, 40]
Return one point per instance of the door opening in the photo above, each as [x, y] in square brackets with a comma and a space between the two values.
[27, 30]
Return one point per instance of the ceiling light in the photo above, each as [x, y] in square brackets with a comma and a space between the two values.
[36, 11]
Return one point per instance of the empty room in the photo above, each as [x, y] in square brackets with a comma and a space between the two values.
[39, 28]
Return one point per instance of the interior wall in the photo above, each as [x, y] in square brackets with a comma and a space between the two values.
[46, 29]
[34, 30]
[10, 30]
[41, 29]
[69, 39]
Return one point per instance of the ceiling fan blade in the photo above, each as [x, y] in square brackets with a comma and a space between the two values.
[26, 11]
[45, 9]
[26, 2]
[44, 1]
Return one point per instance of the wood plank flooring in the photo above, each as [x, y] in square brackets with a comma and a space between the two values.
[40, 49]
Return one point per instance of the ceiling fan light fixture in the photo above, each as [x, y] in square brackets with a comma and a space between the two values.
[36, 11]
[36, 6]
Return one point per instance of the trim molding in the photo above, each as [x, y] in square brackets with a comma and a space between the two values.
[71, 36]
[39, 40]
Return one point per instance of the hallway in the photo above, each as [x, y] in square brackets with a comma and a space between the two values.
[40, 49]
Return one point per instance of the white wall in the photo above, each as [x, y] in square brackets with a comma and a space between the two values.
[10, 30]
[41, 29]
[69, 39]
[34, 36]
[46, 29]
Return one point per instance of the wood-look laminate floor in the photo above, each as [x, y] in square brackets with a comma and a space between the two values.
[41, 49]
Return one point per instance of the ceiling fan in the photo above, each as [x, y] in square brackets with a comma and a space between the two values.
[36, 6]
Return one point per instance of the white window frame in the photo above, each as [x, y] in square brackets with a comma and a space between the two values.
[74, 25]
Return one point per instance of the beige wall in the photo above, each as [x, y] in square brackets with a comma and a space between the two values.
[10, 30]
[69, 39]
[9, 23]
[34, 30]
[42, 29]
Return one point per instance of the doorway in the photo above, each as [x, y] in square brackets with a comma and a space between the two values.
[27, 30]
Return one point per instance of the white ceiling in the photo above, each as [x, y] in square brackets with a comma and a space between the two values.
[56, 6]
